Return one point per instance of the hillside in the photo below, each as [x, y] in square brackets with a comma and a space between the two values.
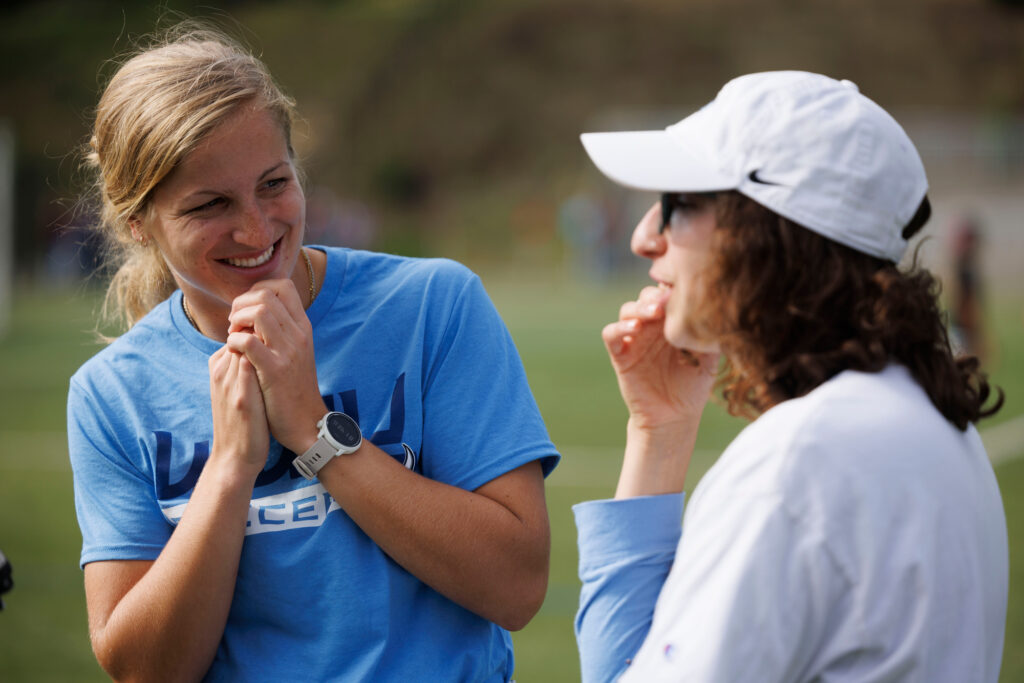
[456, 120]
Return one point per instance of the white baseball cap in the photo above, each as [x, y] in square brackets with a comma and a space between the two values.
[808, 147]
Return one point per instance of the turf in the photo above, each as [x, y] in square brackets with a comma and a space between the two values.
[556, 323]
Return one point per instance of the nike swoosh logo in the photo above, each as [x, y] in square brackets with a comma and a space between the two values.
[757, 179]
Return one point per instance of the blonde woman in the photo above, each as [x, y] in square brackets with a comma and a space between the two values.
[298, 463]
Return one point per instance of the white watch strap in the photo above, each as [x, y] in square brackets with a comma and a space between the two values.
[313, 460]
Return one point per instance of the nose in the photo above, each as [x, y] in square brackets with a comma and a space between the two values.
[646, 241]
[254, 228]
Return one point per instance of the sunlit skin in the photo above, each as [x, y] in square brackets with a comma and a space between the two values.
[664, 375]
[219, 214]
[678, 258]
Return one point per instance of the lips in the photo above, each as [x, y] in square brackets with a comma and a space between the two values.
[254, 261]
[664, 293]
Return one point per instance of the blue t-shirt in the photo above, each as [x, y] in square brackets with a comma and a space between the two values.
[414, 350]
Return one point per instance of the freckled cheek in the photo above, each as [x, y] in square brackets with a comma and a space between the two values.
[199, 247]
[290, 208]
[299, 214]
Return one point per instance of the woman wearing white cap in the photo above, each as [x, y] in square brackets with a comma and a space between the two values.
[854, 530]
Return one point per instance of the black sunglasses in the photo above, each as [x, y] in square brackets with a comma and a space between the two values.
[670, 201]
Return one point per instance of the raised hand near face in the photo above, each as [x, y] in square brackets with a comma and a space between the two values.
[241, 436]
[660, 383]
[268, 325]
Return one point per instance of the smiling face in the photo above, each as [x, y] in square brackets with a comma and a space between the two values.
[679, 257]
[230, 214]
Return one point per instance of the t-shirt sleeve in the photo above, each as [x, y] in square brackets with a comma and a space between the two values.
[626, 551]
[480, 418]
[114, 499]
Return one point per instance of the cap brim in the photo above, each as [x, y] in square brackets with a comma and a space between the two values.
[652, 160]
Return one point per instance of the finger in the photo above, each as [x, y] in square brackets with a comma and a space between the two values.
[245, 385]
[272, 324]
[232, 361]
[247, 344]
[651, 294]
[642, 310]
[259, 317]
[218, 365]
[649, 305]
[248, 378]
[612, 334]
[270, 320]
[282, 290]
[618, 336]
[254, 302]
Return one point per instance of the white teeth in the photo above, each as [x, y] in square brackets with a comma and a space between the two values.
[252, 262]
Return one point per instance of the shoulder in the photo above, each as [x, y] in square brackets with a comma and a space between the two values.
[388, 276]
[130, 353]
[852, 409]
[363, 263]
[845, 437]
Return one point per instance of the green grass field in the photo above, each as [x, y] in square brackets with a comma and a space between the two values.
[556, 325]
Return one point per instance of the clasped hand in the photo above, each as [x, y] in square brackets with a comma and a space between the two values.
[263, 380]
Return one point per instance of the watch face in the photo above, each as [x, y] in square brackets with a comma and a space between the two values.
[344, 429]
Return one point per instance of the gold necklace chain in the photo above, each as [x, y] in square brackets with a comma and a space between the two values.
[309, 273]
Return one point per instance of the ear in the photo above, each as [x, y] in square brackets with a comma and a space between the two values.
[135, 225]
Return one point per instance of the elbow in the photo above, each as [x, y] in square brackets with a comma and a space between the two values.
[529, 586]
[120, 664]
[105, 655]
[517, 622]
[108, 659]
[113, 661]
[524, 601]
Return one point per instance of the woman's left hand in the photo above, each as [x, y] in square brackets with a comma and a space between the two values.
[269, 326]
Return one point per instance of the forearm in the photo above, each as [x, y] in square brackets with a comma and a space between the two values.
[168, 625]
[469, 546]
[657, 458]
[627, 548]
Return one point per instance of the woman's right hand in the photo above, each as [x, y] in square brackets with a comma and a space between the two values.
[241, 436]
[665, 390]
[163, 619]
[660, 384]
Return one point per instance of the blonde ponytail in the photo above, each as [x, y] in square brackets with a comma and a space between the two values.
[141, 282]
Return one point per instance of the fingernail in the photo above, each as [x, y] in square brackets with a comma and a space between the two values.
[632, 324]
[651, 309]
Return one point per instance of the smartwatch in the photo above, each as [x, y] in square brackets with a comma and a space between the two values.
[339, 435]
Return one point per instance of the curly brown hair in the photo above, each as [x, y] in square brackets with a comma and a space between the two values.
[791, 309]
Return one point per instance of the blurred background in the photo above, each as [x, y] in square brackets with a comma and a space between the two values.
[450, 128]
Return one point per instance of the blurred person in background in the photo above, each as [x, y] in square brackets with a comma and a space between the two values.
[967, 319]
[298, 462]
[854, 530]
